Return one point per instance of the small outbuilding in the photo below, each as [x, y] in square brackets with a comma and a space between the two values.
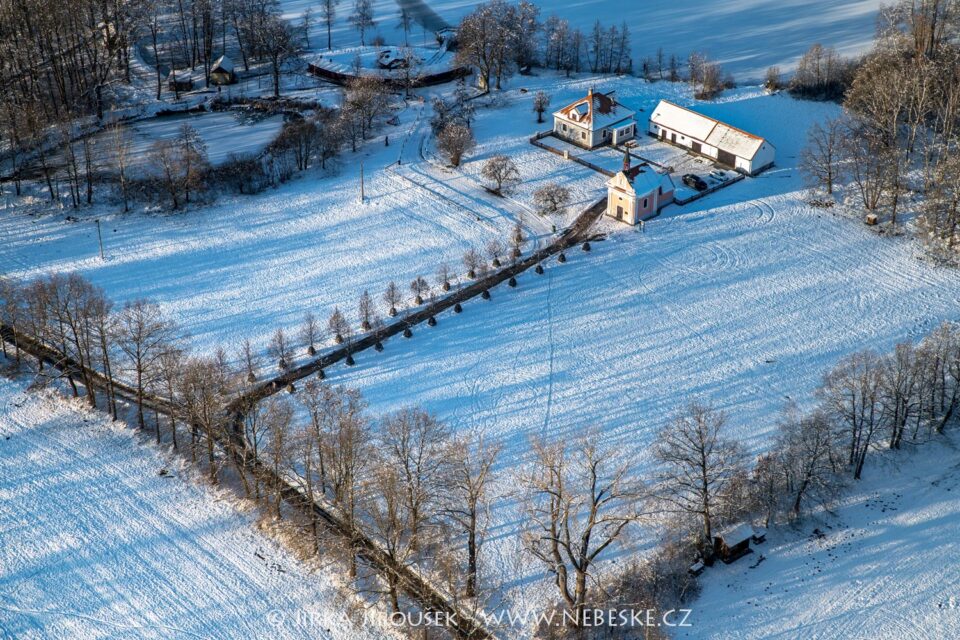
[594, 120]
[638, 193]
[223, 71]
[180, 80]
[705, 136]
[733, 543]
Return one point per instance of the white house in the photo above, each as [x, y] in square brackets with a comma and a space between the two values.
[595, 120]
[711, 138]
[638, 193]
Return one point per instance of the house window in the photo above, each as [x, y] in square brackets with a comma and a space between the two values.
[644, 203]
[564, 127]
[583, 135]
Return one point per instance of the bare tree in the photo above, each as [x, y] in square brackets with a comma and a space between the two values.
[362, 18]
[328, 11]
[338, 326]
[697, 464]
[489, 40]
[415, 443]
[541, 101]
[143, 335]
[454, 141]
[443, 276]
[580, 498]
[809, 460]
[204, 387]
[279, 45]
[366, 310]
[279, 349]
[472, 260]
[310, 333]
[366, 98]
[851, 395]
[517, 238]
[551, 198]
[820, 158]
[392, 297]
[494, 251]
[502, 172]
[419, 287]
[868, 160]
[466, 498]
[349, 455]
[387, 519]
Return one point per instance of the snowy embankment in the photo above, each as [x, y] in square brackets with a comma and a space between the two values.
[95, 543]
[886, 567]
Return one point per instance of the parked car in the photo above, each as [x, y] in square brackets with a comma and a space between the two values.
[694, 182]
[719, 174]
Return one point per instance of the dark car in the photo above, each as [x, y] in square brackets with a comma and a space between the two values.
[694, 182]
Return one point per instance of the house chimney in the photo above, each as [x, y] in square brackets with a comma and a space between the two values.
[626, 160]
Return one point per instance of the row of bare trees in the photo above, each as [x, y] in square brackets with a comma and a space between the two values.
[898, 136]
[866, 402]
[284, 348]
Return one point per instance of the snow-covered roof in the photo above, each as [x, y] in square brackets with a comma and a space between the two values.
[706, 129]
[644, 179]
[180, 75]
[734, 535]
[595, 111]
[223, 63]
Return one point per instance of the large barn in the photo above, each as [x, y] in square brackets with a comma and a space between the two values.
[595, 120]
[711, 138]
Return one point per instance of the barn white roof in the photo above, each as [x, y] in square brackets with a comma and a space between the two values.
[706, 129]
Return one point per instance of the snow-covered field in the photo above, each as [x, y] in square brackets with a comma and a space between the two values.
[94, 543]
[746, 36]
[744, 299]
[248, 265]
[885, 569]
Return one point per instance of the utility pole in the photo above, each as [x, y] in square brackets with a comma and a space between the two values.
[99, 237]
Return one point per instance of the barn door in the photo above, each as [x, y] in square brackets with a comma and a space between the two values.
[673, 138]
[696, 147]
[727, 158]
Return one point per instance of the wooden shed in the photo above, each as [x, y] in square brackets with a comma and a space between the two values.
[222, 71]
[733, 543]
[180, 80]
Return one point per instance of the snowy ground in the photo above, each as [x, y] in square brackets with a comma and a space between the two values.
[247, 265]
[886, 568]
[94, 543]
[223, 133]
[744, 299]
[746, 36]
